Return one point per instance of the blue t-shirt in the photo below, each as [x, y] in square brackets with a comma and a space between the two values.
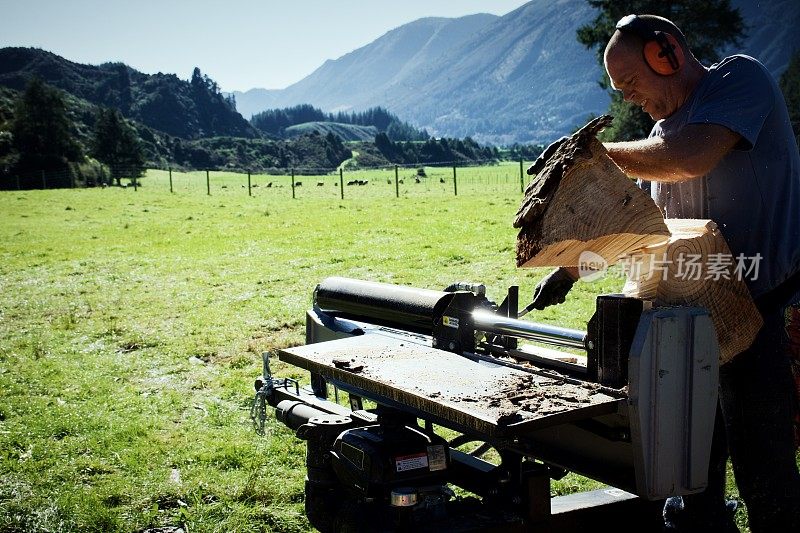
[753, 194]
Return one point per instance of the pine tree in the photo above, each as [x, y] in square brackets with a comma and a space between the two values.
[116, 144]
[708, 25]
[42, 130]
[197, 80]
[123, 86]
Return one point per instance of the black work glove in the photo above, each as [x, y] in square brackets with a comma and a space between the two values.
[552, 289]
[540, 162]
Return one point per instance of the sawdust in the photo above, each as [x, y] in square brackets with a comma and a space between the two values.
[541, 397]
[527, 397]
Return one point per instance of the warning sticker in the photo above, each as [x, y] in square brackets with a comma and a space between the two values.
[450, 321]
[411, 462]
[437, 459]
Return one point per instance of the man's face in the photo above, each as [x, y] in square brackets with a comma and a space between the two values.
[638, 83]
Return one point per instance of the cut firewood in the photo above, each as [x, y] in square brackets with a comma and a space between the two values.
[582, 202]
[581, 206]
[696, 268]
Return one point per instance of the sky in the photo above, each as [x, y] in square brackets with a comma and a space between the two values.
[241, 44]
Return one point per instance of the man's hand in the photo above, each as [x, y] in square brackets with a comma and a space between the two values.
[541, 161]
[552, 289]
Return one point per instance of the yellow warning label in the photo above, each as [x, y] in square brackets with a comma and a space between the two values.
[450, 321]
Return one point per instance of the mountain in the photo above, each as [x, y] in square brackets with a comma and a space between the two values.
[254, 101]
[497, 79]
[380, 64]
[187, 109]
[772, 34]
[522, 77]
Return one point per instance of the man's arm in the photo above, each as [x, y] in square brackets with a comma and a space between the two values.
[693, 153]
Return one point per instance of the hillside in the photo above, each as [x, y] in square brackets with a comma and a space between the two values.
[307, 150]
[522, 77]
[187, 109]
[183, 124]
[306, 147]
[346, 132]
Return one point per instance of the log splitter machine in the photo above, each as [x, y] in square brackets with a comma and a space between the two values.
[459, 415]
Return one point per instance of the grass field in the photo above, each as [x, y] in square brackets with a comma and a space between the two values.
[132, 323]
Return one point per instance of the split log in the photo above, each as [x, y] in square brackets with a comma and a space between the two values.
[582, 202]
[696, 268]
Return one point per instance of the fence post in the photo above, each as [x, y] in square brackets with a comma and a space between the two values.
[249, 191]
[521, 177]
[44, 181]
[18, 186]
[455, 182]
[341, 182]
[71, 178]
[292, 184]
[135, 184]
[396, 183]
[208, 183]
[170, 179]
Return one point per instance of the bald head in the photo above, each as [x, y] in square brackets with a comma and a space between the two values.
[636, 32]
[623, 44]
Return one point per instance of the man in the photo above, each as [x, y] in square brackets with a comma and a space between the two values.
[723, 149]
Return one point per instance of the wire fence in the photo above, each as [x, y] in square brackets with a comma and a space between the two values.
[42, 179]
[394, 181]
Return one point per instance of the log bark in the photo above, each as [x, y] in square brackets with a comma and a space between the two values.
[696, 268]
[582, 202]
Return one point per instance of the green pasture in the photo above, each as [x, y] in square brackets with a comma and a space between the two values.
[132, 325]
